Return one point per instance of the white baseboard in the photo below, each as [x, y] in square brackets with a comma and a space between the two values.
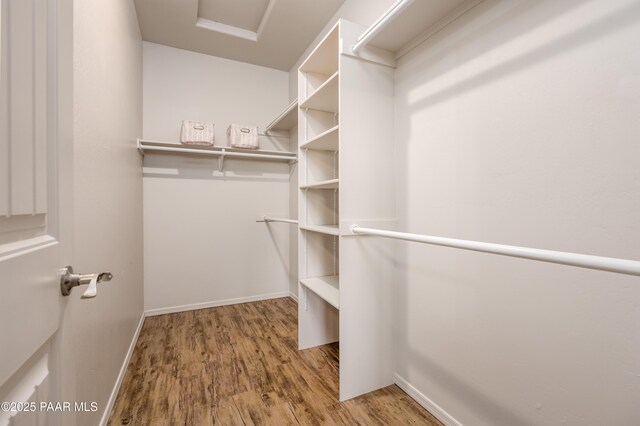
[293, 296]
[121, 374]
[213, 304]
[427, 403]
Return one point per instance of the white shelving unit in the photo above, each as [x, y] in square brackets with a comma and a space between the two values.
[327, 141]
[323, 229]
[327, 288]
[325, 97]
[221, 152]
[419, 21]
[148, 146]
[345, 287]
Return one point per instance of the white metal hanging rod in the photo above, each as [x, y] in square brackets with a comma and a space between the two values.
[250, 155]
[277, 219]
[396, 9]
[621, 266]
[292, 106]
[221, 152]
[270, 135]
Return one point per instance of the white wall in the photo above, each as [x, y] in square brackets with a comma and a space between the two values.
[107, 196]
[518, 124]
[202, 242]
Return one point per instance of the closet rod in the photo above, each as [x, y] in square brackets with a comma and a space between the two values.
[621, 266]
[269, 135]
[276, 219]
[382, 22]
[222, 153]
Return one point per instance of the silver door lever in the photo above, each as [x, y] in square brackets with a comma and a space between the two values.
[69, 280]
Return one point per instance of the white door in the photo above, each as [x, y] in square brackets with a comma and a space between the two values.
[35, 189]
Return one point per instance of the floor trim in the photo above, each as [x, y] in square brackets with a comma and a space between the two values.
[216, 303]
[123, 370]
[293, 296]
[427, 403]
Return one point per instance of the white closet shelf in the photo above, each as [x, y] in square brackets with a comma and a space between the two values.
[418, 22]
[324, 58]
[325, 184]
[325, 97]
[322, 229]
[287, 120]
[325, 141]
[327, 288]
[147, 146]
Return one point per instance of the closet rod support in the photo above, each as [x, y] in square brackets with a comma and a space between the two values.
[220, 170]
[277, 219]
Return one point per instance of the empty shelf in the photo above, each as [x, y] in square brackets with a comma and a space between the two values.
[323, 229]
[287, 120]
[325, 184]
[419, 21]
[327, 288]
[324, 58]
[325, 141]
[325, 98]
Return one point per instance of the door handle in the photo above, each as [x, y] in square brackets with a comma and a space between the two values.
[69, 280]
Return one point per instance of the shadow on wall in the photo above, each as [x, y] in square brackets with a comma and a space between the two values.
[474, 397]
[614, 22]
[447, 287]
[283, 257]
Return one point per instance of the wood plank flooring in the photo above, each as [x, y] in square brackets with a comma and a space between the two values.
[240, 365]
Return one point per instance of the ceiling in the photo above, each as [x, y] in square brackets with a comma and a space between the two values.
[271, 33]
[247, 17]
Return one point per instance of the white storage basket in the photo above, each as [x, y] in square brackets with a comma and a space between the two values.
[197, 133]
[243, 136]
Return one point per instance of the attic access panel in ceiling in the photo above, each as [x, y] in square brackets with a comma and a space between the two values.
[239, 18]
[245, 14]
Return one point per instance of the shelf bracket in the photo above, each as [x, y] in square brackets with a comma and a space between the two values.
[220, 171]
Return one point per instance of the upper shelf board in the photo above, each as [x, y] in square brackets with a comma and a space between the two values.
[322, 229]
[420, 20]
[325, 141]
[287, 120]
[324, 58]
[328, 288]
[325, 98]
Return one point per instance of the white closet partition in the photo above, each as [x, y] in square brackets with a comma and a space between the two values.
[346, 174]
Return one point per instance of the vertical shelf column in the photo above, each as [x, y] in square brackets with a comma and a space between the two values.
[346, 136]
[318, 80]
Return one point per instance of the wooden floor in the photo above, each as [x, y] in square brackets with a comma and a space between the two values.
[240, 365]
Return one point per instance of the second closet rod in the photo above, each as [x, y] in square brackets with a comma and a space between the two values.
[277, 219]
[267, 135]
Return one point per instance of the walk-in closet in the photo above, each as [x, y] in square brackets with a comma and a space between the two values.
[336, 212]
